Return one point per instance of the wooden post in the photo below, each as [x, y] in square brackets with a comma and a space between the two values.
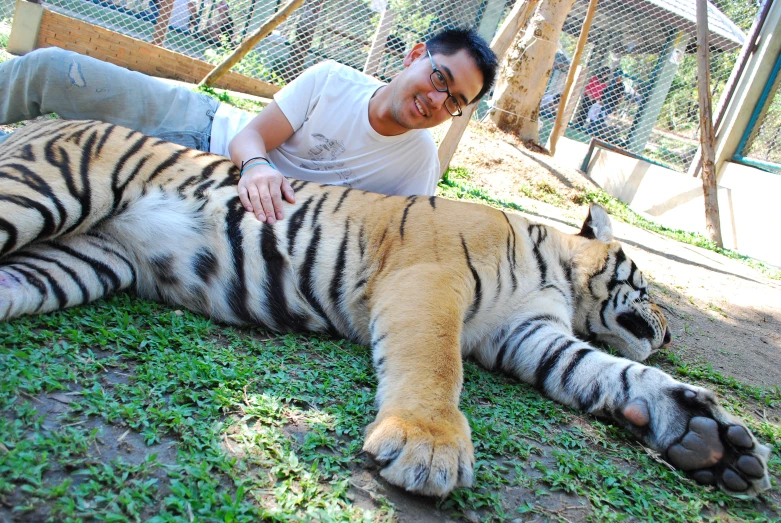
[378, 44]
[710, 191]
[516, 20]
[163, 18]
[247, 45]
[558, 127]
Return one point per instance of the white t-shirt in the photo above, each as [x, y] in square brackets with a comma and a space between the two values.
[333, 142]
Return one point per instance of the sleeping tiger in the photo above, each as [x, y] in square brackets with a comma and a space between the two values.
[88, 209]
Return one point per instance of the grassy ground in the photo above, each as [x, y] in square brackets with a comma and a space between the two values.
[126, 410]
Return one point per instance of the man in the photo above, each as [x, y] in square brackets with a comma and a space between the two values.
[330, 125]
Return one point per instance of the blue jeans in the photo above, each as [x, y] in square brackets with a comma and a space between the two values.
[75, 86]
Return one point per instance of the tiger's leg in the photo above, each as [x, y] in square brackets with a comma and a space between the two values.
[420, 438]
[683, 422]
[53, 275]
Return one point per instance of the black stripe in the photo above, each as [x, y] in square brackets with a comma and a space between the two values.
[335, 290]
[58, 157]
[107, 130]
[198, 193]
[566, 375]
[205, 265]
[109, 280]
[237, 289]
[120, 164]
[307, 277]
[103, 245]
[341, 200]
[625, 380]
[59, 292]
[34, 182]
[362, 240]
[542, 319]
[33, 280]
[411, 200]
[48, 227]
[591, 398]
[85, 297]
[172, 159]
[549, 361]
[27, 153]
[433, 202]
[318, 209]
[277, 268]
[296, 221]
[478, 296]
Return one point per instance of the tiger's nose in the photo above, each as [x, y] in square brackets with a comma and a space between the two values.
[667, 337]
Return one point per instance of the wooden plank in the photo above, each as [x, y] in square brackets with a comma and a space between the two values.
[558, 127]
[247, 45]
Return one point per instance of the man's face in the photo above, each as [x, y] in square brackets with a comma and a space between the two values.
[416, 103]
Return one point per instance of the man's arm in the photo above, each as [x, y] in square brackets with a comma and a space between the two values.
[261, 187]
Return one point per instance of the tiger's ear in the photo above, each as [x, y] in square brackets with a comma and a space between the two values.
[597, 225]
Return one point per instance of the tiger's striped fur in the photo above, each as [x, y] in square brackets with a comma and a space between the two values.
[87, 209]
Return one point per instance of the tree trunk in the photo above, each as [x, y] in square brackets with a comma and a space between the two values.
[710, 191]
[525, 69]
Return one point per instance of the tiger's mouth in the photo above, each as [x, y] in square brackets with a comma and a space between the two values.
[641, 329]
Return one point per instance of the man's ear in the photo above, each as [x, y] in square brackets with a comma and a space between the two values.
[597, 225]
[418, 50]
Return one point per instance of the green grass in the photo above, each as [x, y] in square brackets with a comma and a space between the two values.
[458, 187]
[263, 426]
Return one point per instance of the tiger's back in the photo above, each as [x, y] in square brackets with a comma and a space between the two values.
[87, 209]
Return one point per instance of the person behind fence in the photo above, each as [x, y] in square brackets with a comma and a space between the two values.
[331, 125]
[592, 94]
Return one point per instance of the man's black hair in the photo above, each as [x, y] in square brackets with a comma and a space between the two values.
[451, 41]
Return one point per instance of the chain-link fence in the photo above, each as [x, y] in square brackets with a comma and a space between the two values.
[637, 87]
[761, 145]
[341, 30]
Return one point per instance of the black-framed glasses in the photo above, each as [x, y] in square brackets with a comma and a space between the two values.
[440, 84]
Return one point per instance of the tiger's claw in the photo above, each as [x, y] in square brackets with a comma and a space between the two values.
[426, 457]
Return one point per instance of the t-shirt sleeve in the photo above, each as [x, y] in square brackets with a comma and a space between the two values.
[299, 98]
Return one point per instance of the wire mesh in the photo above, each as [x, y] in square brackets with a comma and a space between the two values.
[637, 87]
[340, 30]
[765, 135]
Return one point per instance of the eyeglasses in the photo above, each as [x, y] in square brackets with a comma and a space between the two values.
[440, 84]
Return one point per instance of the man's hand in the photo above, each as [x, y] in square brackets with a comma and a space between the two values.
[260, 190]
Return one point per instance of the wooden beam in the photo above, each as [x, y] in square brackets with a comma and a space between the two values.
[516, 20]
[707, 139]
[378, 44]
[247, 45]
[558, 127]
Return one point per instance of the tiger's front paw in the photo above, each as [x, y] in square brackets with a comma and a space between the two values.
[423, 453]
[707, 443]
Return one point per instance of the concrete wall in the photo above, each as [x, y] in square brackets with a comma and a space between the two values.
[748, 200]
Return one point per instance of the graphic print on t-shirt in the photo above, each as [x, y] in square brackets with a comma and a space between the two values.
[324, 154]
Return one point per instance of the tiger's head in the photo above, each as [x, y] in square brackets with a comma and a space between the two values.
[613, 305]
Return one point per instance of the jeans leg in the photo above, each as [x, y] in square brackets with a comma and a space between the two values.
[75, 86]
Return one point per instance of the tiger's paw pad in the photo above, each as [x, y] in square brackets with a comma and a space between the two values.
[723, 455]
[426, 457]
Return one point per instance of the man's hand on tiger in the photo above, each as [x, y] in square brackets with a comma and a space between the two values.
[261, 188]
